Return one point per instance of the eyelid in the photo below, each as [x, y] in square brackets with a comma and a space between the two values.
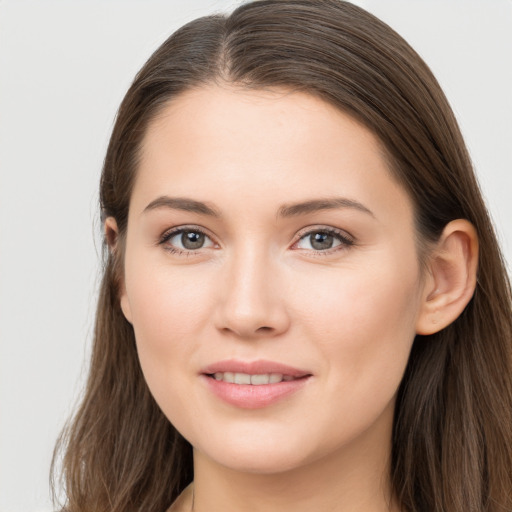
[176, 230]
[347, 240]
[343, 236]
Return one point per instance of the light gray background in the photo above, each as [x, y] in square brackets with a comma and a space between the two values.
[64, 67]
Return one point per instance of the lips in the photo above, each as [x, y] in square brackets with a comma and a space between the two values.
[254, 380]
[259, 367]
[252, 385]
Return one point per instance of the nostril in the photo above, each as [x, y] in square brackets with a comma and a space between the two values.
[264, 329]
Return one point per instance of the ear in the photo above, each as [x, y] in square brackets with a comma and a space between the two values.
[451, 279]
[112, 238]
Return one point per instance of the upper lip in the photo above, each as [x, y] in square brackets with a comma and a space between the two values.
[259, 367]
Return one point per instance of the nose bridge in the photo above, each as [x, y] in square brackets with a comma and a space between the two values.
[251, 304]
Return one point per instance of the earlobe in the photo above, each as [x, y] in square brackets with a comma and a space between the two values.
[112, 239]
[452, 277]
[125, 305]
[111, 233]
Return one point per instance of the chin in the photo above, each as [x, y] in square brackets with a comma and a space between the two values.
[257, 454]
[261, 463]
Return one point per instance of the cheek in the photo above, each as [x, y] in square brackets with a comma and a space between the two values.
[352, 300]
[167, 304]
[363, 321]
[362, 325]
[169, 310]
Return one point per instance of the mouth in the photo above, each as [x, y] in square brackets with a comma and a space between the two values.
[255, 373]
[253, 385]
[260, 379]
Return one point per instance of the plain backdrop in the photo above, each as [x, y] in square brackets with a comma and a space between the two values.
[64, 67]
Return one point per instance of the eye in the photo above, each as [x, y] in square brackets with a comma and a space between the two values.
[323, 240]
[186, 239]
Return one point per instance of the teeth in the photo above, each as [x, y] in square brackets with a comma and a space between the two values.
[242, 378]
[258, 380]
[275, 378]
[255, 380]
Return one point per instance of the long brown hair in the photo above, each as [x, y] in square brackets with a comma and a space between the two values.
[452, 436]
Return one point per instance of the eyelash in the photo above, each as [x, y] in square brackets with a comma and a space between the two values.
[344, 238]
[176, 231]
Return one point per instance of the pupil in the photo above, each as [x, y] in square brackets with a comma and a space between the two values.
[321, 241]
[192, 240]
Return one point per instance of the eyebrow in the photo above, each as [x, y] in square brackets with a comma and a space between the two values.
[182, 203]
[316, 205]
[287, 210]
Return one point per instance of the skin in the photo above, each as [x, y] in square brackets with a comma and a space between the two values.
[258, 289]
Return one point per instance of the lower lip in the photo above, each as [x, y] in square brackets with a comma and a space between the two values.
[247, 396]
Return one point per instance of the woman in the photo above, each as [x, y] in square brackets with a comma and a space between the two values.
[295, 313]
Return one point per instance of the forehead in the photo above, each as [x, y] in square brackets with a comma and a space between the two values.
[224, 144]
[220, 119]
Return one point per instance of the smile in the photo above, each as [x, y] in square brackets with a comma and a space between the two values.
[254, 380]
[255, 384]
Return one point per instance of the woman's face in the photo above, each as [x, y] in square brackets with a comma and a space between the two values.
[269, 245]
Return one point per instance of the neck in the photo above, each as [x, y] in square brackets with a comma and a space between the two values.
[354, 478]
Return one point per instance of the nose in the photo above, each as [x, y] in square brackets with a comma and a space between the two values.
[252, 300]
